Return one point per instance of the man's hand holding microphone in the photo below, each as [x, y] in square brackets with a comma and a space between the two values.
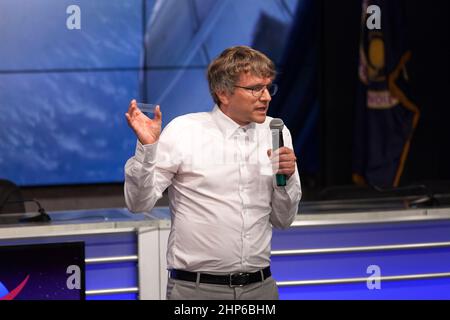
[283, 159]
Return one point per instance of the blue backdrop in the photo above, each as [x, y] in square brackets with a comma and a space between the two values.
[63, 92]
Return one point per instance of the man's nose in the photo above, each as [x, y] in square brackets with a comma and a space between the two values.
[265, 96]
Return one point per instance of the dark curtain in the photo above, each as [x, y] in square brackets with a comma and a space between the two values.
[297, 101]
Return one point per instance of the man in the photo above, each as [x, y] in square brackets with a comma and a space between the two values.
[223, 197]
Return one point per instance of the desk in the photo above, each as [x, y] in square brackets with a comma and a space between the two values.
[339, 256]
[121, 248]
[400, 254]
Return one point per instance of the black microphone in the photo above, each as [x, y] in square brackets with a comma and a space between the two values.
[276, 127]
[42, 217]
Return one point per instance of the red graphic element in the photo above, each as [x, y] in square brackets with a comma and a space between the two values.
[13, 293]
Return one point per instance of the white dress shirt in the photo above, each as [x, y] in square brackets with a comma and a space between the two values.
[223, 195]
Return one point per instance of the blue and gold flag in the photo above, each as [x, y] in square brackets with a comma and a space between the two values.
[385, 117]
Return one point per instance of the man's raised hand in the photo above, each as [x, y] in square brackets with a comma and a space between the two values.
[147, 130]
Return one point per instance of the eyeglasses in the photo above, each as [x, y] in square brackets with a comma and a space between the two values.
[258, 90]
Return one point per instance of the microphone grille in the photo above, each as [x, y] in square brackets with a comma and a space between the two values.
[276, 124]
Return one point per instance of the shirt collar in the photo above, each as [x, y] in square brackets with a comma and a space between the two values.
[227, 126]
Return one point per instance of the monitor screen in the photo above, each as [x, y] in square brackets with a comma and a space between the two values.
[43, 272]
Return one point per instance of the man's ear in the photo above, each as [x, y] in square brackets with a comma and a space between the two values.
[223, 97]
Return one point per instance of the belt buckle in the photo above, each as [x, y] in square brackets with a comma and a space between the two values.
[238, 276]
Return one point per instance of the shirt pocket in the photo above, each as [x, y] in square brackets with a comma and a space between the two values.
[265, 169]
[265, 182]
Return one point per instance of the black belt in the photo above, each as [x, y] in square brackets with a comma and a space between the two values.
[237, 279]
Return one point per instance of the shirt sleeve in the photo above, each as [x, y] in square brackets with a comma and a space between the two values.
[150, 171]
[285, 199]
